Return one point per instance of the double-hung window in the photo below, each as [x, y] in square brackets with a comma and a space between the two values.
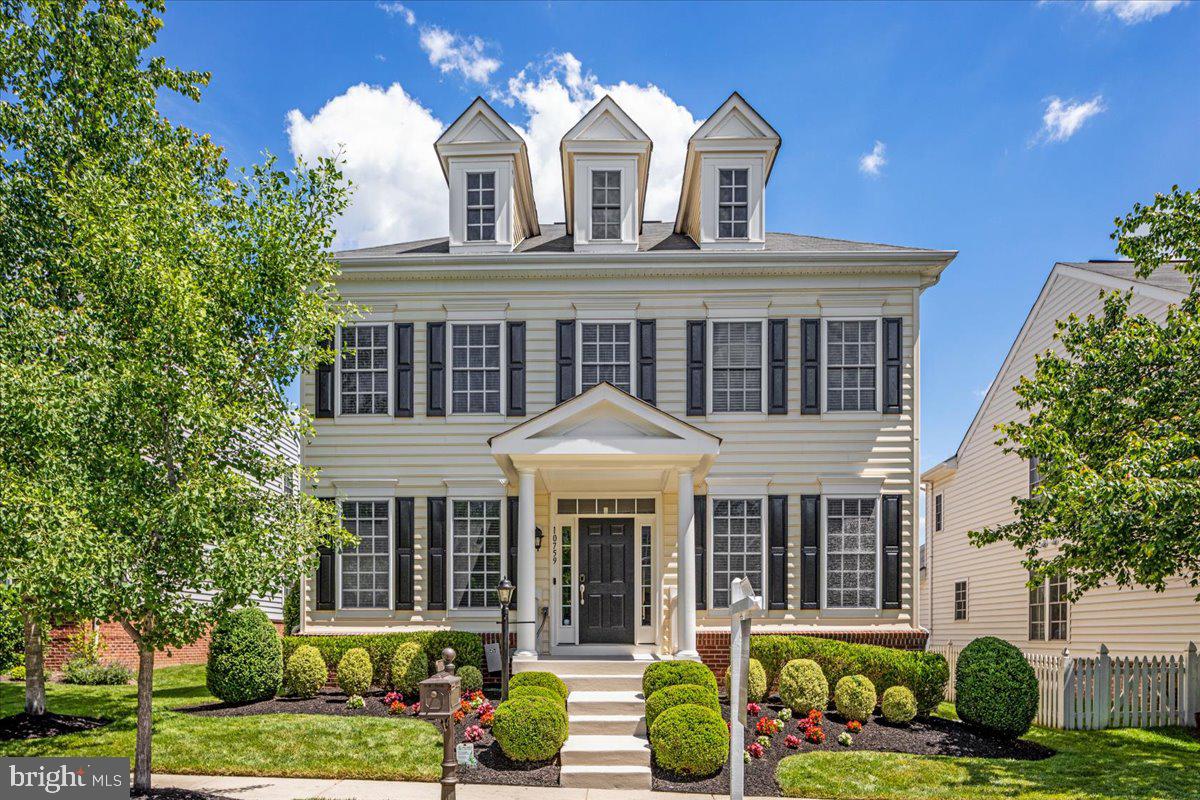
[364, 369]
[960, 601]
[851, 552]
[937, 512]
[733, 203]
[737, 366]
[476, 543]
[1048, 608]
[475, 368]
[606, 204]
[365, 569]
[606, 354]
[737, 545]
[851, 365]
[481, 206]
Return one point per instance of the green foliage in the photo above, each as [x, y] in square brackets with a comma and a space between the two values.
[85, 645]
[995, 688]
[381, 646]
[772, 651]
[546, 679]
[690, 740]
[245, 657]
[354, 671]
[471, 677]
[305, 672]
[16, 673]
[468, 647]
[756, 681]
[928, 680]
[680, 694]
[87, 673]
[854, 697]
[530, 728]
[803, 687]
[899, 705]
[661, 674]
[355, 701]
[12, 633]
[546, 692]
[291, 609]
[410, 666]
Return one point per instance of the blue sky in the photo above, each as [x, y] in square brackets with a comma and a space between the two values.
[1011, 132]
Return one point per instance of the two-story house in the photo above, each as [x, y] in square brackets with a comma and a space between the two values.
[622, 415]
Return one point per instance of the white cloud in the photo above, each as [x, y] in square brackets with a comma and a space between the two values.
[394, 9]
[1063, 119]
[450, 52]
[872, 163]
[1131, 12]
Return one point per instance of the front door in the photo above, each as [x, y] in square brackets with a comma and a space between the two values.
[606, 581]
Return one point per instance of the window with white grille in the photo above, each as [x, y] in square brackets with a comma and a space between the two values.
[937, 512]
[476, 547]
[481, 206]
[736, 365]
[960, 600]
[851, 546]
[366, 567]
[737, 546]
[605, 354]
[475, 368]
[851, 352]
[606, 204]
[1048, 609]
[733, 203]
[1037, 611]
[364, 369]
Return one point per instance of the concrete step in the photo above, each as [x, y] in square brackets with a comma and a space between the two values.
[584, 682]
[610, 724]
[603, 750]
[605, 777]
[592, 702]
[585, 666]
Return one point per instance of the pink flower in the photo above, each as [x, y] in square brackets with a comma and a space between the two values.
[753, 708]
[473, 733]
[755, 750]
[792, 741]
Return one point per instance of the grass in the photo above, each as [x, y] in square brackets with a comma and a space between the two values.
[1120, 764]
[285, 745]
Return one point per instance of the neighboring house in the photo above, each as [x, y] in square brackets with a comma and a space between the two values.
[923, 616]
[973, 592]
[621, 415]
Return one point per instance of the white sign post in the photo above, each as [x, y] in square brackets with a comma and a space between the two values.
[743, 604]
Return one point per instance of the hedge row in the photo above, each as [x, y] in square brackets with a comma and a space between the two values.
[381, 647]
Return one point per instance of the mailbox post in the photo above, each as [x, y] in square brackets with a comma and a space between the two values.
[440, 696]
[743, 604]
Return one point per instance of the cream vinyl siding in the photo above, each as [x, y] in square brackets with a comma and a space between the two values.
[794, 450]
[979, 494]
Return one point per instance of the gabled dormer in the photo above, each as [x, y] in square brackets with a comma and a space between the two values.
[605, 165]
[486, 165]
[723, 202]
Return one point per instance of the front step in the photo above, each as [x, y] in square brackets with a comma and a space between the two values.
[601, 682]
[605, 777]
[608, 724]
[582, 750]
[587, 702]
[585, 666]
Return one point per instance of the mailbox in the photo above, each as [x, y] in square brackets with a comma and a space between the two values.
[440, 693]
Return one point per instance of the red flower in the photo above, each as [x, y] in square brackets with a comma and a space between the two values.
[755, 750]
[768, 726]
[815, 734]
[459, 715]
[486, 719]
[753, 708]
[415, 707]
[791, 741]
[815, 715]
[396, 707]
[391, 697]
[854, 726]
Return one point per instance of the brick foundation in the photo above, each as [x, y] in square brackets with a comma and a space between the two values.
[714, 645]
[120, 648]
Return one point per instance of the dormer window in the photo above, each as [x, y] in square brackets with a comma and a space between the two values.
[481, 206]
[733, 203]
[606, 204]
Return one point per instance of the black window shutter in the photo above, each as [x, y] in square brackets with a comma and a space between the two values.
[893, 340]
[697, 401]
[516, 369]
[810, 551]
[325, 568]
[891, 550]
[810, 366]
[514, 523]
[324, 385]
[777, 401]
[647, 349]
[777, 537]
[435, 369]
[564, 380]
[700, 515]
[404, 369]
[436, 531]
[405, 555]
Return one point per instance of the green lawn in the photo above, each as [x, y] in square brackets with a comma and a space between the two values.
[290, 745]
[1123, 764]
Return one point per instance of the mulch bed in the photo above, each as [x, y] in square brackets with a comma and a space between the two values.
[23, 726]
[327, 701]
[495, 767]
[928, 737]
[175, 794]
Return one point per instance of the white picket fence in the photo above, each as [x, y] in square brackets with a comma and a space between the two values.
[1104, 691]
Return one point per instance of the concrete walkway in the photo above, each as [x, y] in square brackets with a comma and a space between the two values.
[304, 788]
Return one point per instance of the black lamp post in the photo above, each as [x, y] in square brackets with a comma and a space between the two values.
[504, 592]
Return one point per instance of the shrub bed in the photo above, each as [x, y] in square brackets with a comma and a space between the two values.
[681, 694]
[84, 673]
[690, 740]
[245, 658]
[381, 647]
[661, 674]
[354, 672]
[995, 688]
[546, 680]
[305, 672]
[530, 728]
[756, 681]
[802, 686]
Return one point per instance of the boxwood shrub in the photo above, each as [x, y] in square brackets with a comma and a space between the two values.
[995, 688]
[681, 694]
[773, 652]
[305, 672]
[756, 681]
[537, 692]
[354, 672]
[468, 647]
[471, 677]
[245, 658]
[530, 728]
[661, 674]
[410, 666]
[690, 740]
[380, 648]
[898, 704]
[802, 686]
[854, 697]
[547, 680]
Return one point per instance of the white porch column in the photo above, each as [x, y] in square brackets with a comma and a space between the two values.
[526, 567]
[686, 641]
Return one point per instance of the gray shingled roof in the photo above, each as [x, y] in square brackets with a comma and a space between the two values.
[656, 237]
[1165, 277]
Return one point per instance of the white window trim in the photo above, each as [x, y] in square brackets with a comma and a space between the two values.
[450, 412]
[826, 609]
[708, 546]
[954, 600]
[337, 368]
[452, 605]
[579, 323]
[391, 534]
[710, 324]
[467, 173]
[867, 413]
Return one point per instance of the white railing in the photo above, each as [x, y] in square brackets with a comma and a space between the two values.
[1104, 691]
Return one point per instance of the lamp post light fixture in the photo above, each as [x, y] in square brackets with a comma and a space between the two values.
[504, 592]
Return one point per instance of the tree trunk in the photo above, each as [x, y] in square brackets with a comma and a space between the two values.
[145, 719]
[35, 666]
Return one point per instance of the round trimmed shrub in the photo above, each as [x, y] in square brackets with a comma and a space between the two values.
[537, 692]
[305, 672]
[899, 705]
[756, 681]
[690, 740]
[547, 680]
[855, 698]
[681, 694]
[471, 677]
[661, 674]
[530, 728]
[802, 686]
[410, 666]
[773, 651]
[245, 657]
[354, 671]
[995, 688]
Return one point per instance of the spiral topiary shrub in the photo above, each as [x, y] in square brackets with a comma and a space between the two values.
[756, 681]
[681, 694]
[802, 686]
[530, 728]
[471, 677]
[690, 740]
[547, 680]
[995, 688]
[899, 705]
[855, 698]
[245, 657]
[661, 674]
[305, 672]
[545, 692]
[410, 666]
[354, 671]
